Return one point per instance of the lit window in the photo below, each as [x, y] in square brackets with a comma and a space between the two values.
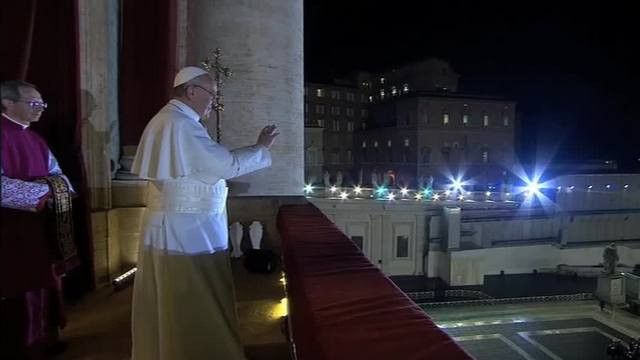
[405, 88]
[320, 122]
[350, 126]
[320, 92]
[445, 118]
[406, 142]
[382, 80]
[319, 109]
[485, 120]
[388, 143]
[365, 84]
[394, 91]
[485, 156]
[382, 93]
[375, 144]
[364, 144]
[336, 125]
[465, 119]
[370, 98]
[505, 119]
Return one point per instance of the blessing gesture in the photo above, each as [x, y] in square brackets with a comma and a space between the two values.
[267, 136]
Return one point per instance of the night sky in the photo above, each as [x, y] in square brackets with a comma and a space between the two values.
[571, 67]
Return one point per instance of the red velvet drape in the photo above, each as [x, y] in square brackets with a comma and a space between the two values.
[39, 44]
[148, 63]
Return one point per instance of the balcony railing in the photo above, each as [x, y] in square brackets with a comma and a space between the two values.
[341, 306]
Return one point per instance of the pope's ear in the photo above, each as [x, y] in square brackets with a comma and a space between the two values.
[189, 91]
[6, 102]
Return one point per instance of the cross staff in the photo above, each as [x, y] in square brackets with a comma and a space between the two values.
[220, 73]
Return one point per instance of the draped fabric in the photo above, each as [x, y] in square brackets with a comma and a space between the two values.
[342, 306]
[64, 249]
[40, 45]
[148, 63]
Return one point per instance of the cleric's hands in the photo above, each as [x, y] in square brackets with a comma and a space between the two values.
[267, 136]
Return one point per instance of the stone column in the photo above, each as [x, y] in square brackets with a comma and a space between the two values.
[98, 40]
[261, 41]
[98, 47]
[452, 218]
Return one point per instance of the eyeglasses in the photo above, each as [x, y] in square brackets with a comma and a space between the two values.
[34, 104]
[207, 90]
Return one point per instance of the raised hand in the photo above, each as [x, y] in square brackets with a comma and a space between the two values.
[267, 136]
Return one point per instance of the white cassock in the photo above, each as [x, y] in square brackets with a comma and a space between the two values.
[183, 300]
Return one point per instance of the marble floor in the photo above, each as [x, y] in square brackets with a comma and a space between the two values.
[99, 324]
[571, 330]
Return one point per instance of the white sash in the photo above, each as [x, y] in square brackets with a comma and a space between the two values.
[188, 196]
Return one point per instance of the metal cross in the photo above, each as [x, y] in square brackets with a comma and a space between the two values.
[220, 73]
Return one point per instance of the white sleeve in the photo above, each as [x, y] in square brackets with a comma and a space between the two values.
[54, 169]
[217, 162]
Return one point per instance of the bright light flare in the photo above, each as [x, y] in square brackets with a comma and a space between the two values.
[357, 190]
[381, 190]
[457, 184]
[333, 189]
[391, 196]
[418, 196]
[404, 191]
[532, 188]
[308, 189]
[344, 195]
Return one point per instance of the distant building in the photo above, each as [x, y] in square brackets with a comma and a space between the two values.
[332, 114]
[409, 122]
[424, 134]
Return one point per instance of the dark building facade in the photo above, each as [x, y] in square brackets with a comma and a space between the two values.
[421, 135]
[410, 123]
[332, 115]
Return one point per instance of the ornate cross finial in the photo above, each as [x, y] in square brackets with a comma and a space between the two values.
[220, 73]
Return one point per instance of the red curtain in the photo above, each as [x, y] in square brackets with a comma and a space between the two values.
[148, 63]
[40, 45]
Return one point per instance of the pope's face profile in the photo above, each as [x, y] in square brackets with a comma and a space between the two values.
[204, 95]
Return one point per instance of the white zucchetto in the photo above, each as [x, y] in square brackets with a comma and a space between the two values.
[188, 73]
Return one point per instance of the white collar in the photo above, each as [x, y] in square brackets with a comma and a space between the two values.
[186, 109]
[15, 121]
